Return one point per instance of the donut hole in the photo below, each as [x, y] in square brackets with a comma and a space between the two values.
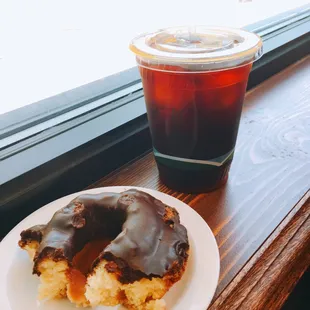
[84, 259]
[81, 266]
[101, 229]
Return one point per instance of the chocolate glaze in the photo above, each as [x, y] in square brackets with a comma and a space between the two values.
[143, 235]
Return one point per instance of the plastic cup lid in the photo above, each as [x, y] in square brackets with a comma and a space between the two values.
[197, 48]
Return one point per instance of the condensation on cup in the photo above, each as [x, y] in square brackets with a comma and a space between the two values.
[194, 81]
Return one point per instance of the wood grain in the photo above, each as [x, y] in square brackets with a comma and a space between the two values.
[270, 174]
[270, 275]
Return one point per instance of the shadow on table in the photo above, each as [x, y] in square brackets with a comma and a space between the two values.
[300, 298]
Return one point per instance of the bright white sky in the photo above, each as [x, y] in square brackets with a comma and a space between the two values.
[48, 47]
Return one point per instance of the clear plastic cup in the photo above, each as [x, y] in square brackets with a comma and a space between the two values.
[194, 81]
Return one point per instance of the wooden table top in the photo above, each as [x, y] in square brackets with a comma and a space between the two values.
[261, 218]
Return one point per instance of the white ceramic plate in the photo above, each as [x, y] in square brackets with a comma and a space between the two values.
[18, 287]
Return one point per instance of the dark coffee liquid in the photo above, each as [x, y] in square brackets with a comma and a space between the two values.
[194, 120]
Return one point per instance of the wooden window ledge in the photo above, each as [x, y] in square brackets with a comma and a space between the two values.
[261, 218]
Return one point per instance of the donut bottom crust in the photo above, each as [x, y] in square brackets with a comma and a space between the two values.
[101, 287]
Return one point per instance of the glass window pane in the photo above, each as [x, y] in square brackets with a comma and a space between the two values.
[50, 47]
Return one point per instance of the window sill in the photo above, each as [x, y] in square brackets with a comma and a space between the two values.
[261, 217]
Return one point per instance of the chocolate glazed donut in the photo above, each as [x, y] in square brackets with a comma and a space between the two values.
[147, 239]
